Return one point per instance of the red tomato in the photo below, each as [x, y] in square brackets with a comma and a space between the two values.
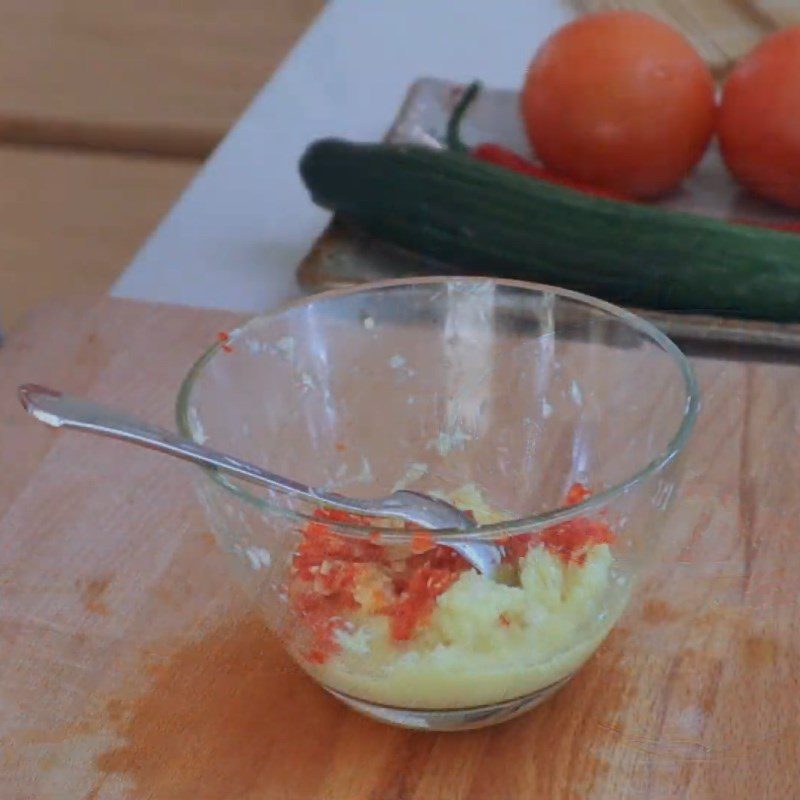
[619, 100]
[759, 122]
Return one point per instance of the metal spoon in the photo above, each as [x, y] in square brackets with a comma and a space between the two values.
[61, 410]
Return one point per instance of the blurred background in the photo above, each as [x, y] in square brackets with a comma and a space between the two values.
[108, 109]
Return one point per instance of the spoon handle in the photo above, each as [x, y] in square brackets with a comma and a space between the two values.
[63, 411]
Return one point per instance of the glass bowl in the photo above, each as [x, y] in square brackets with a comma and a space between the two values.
[557, 419]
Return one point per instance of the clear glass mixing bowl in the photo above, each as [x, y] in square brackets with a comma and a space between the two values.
[512, 399]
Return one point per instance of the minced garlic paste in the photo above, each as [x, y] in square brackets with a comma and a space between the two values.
[419, 628]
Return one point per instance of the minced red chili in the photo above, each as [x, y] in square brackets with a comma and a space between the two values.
[225, 342]
[330, 571]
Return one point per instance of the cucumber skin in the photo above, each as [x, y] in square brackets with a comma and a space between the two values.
[482, 218]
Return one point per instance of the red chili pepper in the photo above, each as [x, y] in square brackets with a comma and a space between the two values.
[503, 157]
[783, 227]
[500, 156]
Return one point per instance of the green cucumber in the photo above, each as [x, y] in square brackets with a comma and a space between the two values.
[481, 218]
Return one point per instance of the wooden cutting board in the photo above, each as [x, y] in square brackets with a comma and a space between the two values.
[130, 666]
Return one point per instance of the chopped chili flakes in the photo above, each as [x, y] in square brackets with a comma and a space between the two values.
[569, 540]
[577, 494]
[333, 575]
[317, 655]
[225, 338]
[418, 601]
[421, 542]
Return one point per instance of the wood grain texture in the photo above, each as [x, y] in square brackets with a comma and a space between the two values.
[694, 695]
[72, 221]
[167, 76]
[721, 30]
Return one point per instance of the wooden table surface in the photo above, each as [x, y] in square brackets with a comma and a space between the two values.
[106, 111]
[72, 220]
[167, 76]
[131, 667]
